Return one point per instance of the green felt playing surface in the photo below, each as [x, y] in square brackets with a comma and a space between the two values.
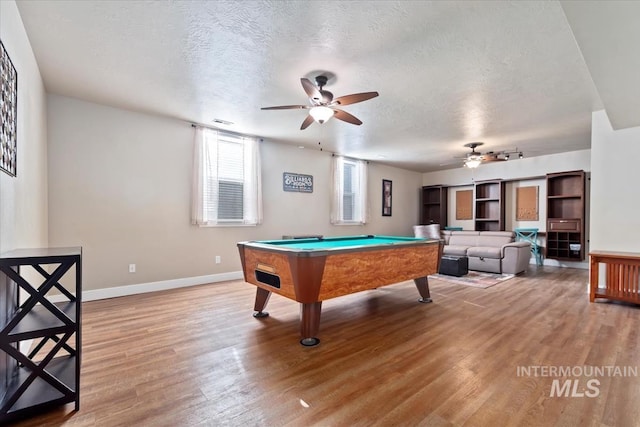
[339, 242]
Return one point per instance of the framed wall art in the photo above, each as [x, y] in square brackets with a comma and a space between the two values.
[8, 113]
[386, 197]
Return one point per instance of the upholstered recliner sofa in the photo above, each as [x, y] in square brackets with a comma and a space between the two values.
[490, 251]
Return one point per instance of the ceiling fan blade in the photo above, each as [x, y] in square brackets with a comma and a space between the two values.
[312, 91]
[346, 117]
[352, 99]
[306, 122]
[285, 107]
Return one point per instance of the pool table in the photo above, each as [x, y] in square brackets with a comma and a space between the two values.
[310, 271]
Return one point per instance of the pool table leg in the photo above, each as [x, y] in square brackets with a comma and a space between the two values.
[422, 283]
[262, 298]
[310, 323]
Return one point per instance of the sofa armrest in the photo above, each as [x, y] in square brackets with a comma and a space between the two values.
[518, 244]
[515, 257]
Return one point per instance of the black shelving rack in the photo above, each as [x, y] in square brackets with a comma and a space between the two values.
[48, 373]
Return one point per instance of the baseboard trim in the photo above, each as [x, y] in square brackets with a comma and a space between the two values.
[556, 263]
[141, 288]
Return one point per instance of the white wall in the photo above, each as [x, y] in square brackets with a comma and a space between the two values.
[23, 199]
[615, 207]
[120, 187]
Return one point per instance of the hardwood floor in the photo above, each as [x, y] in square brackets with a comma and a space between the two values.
[196, 356]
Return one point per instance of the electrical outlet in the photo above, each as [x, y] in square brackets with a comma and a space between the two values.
[217, 259]
[132, 268]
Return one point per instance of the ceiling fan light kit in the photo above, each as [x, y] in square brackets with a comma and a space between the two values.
[322, 105]
[321, 114]
[475, 158]
[472, 163]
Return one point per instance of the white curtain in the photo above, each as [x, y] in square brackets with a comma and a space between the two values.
[364, 202]
[253, 182]
[197, 183]
[336, 190]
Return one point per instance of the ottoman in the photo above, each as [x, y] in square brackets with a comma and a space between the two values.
[452, 265]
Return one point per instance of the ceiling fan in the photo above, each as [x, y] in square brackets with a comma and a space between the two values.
[322, 105]
[474, 158]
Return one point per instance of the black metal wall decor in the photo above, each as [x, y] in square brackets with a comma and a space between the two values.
[386, 197]
[8, 112]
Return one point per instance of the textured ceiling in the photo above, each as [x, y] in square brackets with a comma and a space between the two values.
[509, 74]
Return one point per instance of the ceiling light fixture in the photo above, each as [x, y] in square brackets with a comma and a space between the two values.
[473, 162]
[475, 158]
[321, 113]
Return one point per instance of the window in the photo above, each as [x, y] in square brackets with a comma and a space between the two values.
[227, 188]
[349, 191]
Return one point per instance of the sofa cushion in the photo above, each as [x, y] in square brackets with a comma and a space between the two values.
[464, 238]
[455, 250]
[485, 252]
[499, 233]
[492, 240]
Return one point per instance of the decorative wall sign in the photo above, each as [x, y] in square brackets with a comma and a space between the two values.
[8, 111]
[297, 182]
[464, 204]
[386, 197]
[527, 203]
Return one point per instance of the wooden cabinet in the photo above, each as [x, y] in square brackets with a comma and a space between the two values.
[620, 276]
[48, 373]
[565, 216]
[433, 207]
[489, 205]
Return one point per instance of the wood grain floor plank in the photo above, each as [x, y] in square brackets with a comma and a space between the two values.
[195, 356]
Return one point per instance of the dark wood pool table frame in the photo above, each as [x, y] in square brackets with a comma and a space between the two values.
[312, 276]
